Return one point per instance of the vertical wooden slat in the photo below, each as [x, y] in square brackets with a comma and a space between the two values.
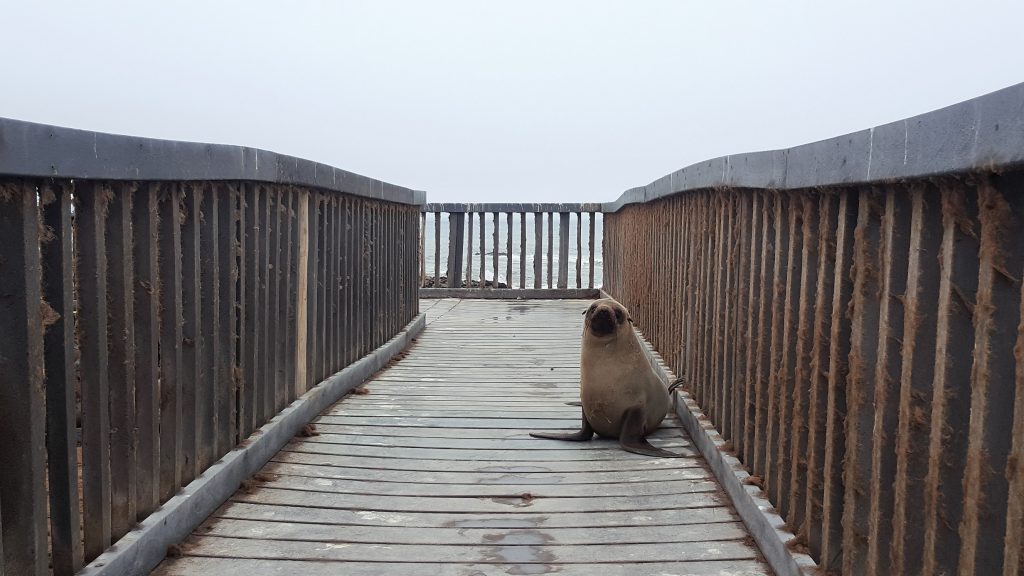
[495, 244]
[816, 375]
[290, 256]
[227, 272]
[483, 247]
[207, 394]
[1013, 562]
[579, 250]
[90, 219]
[252, 314]
[551, 248]
[747, 228]
[839, 346]
[864, 327]
[145, 221]
[279, 296]
[469, 256]
[943, 485]
[920, 303]
[334, 242]
[437, 250]
[307, 277]
[784, 223]
[268, 306]
[60, 380]
[760, 362]
[563, 250]
[508, 252]
[173, 433]
[22, 398]
[349, 271]
[590, 281]
[538, 247]
[788, 421]
[983, 528]
[800, 424]
[456, 239]
[122, 360]
[522, 250]
[423, 253]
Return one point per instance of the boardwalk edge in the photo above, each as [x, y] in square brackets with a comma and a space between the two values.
[766, 527]
[142, 549]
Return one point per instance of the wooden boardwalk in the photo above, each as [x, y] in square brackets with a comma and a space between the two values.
[432, 473]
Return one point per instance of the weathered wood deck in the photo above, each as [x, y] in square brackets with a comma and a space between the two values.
[433, 473]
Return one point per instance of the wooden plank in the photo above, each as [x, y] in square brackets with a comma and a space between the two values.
[944, 496]
[551, 248]
[90, 219]
[469, 256]
[522, 250]
[538, 250]
[303, 273]
[437, 250]
[236, 567]
[22, 398]
[314, 259]
[208, 394]
[508, 251]
[60, 373]
[231, 528]
[590, 273]
[563, 250]
[483, 247]
[579, 250]
[423, 253]
[173, 430]
[146, 313]
[226, 360]
[121, 367]
[252, 312]
[279, 303]
[494, 243]
[456, 240]
[290, 228]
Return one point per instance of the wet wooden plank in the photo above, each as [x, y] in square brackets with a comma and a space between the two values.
[61, 376]
[22, 398]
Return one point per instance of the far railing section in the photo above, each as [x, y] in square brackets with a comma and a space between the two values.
[159, 302]
[510, 246]
[849, 315]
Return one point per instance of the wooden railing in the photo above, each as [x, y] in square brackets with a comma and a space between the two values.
[167, 316]
[503, 228]
[849, 315]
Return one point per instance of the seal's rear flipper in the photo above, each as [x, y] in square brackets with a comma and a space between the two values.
[585, 433]
[574, 403]
[631, 437]
[676, 384]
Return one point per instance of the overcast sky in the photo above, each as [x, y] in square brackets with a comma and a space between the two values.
[501, 101]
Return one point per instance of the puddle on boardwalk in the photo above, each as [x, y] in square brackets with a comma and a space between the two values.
[521, 551]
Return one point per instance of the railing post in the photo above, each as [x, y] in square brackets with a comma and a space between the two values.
[538, 249]
[456, 239]
[302, 294]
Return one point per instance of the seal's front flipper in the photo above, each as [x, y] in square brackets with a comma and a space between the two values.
[577, 403]
[631, 437]
[584, 434]
[676, 384]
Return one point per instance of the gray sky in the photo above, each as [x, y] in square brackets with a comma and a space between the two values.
[501, 101]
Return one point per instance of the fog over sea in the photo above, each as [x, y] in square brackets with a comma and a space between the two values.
[583, 254]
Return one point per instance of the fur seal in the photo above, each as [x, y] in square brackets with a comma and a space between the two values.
[621, 395]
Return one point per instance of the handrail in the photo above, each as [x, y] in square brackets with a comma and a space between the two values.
[849, 315]
[978, 134]
[460, 254]
[171, 298]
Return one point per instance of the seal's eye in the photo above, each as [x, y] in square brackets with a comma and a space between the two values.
[588, 310]
[619, 316]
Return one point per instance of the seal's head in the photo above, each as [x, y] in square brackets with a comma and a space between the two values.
[606, 317]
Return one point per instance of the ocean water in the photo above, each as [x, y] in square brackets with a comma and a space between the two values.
[430, 253]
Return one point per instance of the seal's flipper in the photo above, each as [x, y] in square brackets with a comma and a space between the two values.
[585, 433]
[631, 437]
[676, 384]
[574, 403]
